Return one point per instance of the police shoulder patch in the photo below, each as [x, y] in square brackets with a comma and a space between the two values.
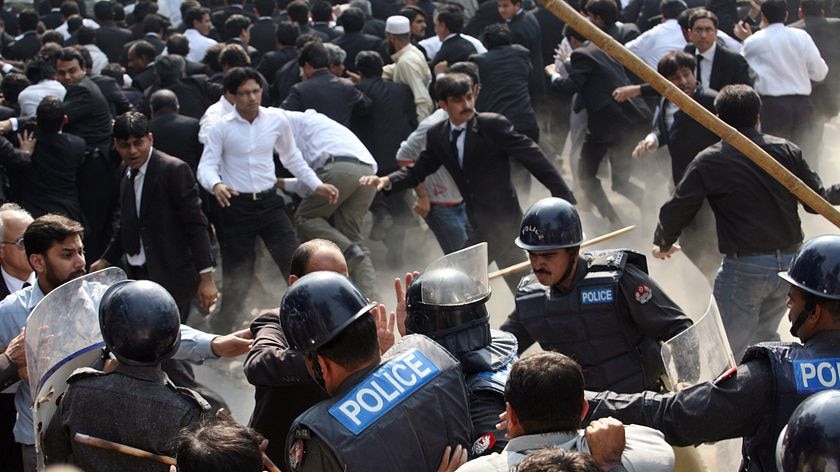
[814, 375]
[302, 433]
[643, 293]
[484, 443]
[296, 453]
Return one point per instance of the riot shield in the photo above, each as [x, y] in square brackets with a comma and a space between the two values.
[699, 353]
[455, 289]
[62, 334]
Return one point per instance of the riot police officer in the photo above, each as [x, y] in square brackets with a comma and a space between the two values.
[397, 413]
[811, 438]
[756, 399]
[135, 404]
[599, 308]
[447, 303]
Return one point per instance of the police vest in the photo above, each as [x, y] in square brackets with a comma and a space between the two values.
[401, 416]
[501, 354]
[591, 325]
[798, 372]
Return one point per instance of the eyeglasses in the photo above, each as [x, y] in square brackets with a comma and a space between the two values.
[18, 243]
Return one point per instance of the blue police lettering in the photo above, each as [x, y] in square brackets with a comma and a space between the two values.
[596, 295]
[384, 389]
[817, 374]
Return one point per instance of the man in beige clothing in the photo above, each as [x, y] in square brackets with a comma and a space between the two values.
[409, 67]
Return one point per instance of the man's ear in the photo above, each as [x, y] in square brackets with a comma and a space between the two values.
[38, 263]
[585, 409]
[292, 279]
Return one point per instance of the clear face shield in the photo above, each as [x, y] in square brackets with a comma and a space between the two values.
[457, 279]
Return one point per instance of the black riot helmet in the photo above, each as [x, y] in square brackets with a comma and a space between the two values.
[140, 323]
[551, 223]
[811, 439]
[815, 268]
[318, 307]
[446, 302]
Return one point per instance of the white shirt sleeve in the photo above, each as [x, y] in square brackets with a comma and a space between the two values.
[209, 171]
[817, 68]
[292, 158]
[196, 346]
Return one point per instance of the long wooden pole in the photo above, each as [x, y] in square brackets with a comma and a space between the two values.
[729, 134]
[527, 265]
[122, 449]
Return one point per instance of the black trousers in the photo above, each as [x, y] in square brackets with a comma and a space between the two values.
[791, 117]
[593, 152]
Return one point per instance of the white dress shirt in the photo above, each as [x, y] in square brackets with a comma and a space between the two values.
[198, 44]
[211, 116]
[706, 65]
[85, 22]
[653, 44]
[100, 60]
[239, 153]
[138, 259]
[13, 284]
[30, 97]
[433, 43]
[785, 61]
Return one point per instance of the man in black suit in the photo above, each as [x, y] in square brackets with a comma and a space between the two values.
[110, 38]
[177, 135]
[333, 96]
[724, 66]
[594, 75]
[283, 52]
[476, 149]
[526, 32]
[194, 93]
[153, 30]
[163, 234]
[141, 58]
[321, 18]
[179, 45]
[27, 45]
[298, 12]
[449, 21]
[604, 15]
[53, 19]
[236, 30]
[264, 31]
[354, 40]
[232, 7]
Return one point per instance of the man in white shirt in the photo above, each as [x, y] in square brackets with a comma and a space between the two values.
[785, 61]
[41, 75]
[339, 158]
[199, 25]
[237, 167]
[14, 266]
[653, 44]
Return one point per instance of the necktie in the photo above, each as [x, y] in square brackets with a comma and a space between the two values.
[699, 77]
[456, 133]
[128, 218]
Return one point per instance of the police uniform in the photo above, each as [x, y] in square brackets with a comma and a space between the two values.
[133, 405]
[753, 402]
[398, 415]
[610, 321]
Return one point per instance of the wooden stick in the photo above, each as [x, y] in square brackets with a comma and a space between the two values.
[122, 449]
[527, 265]
[729, 134]
[223, 415]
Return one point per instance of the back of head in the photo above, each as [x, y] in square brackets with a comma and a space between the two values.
[234, 55]
[738, 105]
[452, 85]
[352, 20]
[86, 57]
[774, 11]
[38, 70]
[287, 33]
[671, 9]
[302, 256]
[50, 115]
[144, 49]
[103, 11]
[811, 439]
[218, 446]
[178, 44]
[468, 68]
[28, 20]
[153, 23]
[321, 11]
[497, 35]
[48, 230]
[335, 55]
[52, 36]
[569, 33]
[235, 25]
[11, 86]
[169, 69]
[452, 16]
[163, 101]
[607, 10]
[314, 54]
[369, 64]
[86, 35]
[193, 15]
[144, 8]
[545, 390]
[69, 8]
[265, 7]
[298, 12]
[74, 23]
[213, 55]
[114, 71]
[557, 460]
[812, 7]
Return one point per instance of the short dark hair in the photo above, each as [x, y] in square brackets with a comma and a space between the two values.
[702, 14]
[298, 12]
[144, 49]
[50, 115]
[545, 390]
[211, 57]
[142, 9]
[52, 36]
[674, 61]
[321, 11]
[72, 54]
[452, 85]
[569, 33]
[237, 76]
[178, 44]
[369, 64]
[169, 70]
[557, 460]
[265, 7]
[412, 11]
[28, 20]
[607, 10]
[195, 14]
[74, 24]
[46, 230]
[131, 124]
[450, 15]
[235, 25]
[355, 346]
[39, 69]
[303, 254]
[774, 11]
[671, 9]
[153, 23]
[738, 105]
[287, 33]
[163, 99]
[470, 69]
[314, 54]
[233, 55]
[305, 39]
[103, 11]
[218, 446]
[186, 6]
[352, 20]
[115, 71]
[497, 35]
[69, 8]
[812, 7]
[86, 35]
[85, 53]
[11, 86]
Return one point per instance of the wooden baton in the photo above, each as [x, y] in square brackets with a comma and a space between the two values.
[121, 448]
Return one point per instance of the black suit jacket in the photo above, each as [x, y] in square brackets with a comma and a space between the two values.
[219, 17]
[117, 101]
[173, 229]
[354, 43]
[622, 32]
[177, 135]
[111, 39]
[392, 110]
[485, 15]
[335, 97]
[504, 73]
[489, 145]
[274, 60]
[454, 49]
[253, 53]
[194, 94]
[25, 48]
[686, 137]
[264, 35]
[326, 29]
[194, 68]
[88, 114]
[52, 20]
[825, 33]
[526, 32]
[144, 79]
[728, 68]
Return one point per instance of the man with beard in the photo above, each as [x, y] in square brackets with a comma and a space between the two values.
[409, 66]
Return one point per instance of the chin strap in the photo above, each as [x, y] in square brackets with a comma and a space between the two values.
[573, 256]
[810, 306]
[316, 370]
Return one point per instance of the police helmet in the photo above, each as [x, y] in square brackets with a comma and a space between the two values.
[811, 439]
[815, 268]
[441, 300]
[318, 307]
[140, 322]
[551, 223]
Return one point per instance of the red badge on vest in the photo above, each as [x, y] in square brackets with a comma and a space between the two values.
[484, 443]
[643, 293]
[296, 454]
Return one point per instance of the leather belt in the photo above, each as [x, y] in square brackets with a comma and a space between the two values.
[256, 195]
[351, 159]
[786, 250]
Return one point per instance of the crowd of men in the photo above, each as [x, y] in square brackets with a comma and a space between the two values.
[164, 138]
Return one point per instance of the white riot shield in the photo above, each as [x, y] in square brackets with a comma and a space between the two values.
[62, 335]
[457, 291]
[699, 353]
